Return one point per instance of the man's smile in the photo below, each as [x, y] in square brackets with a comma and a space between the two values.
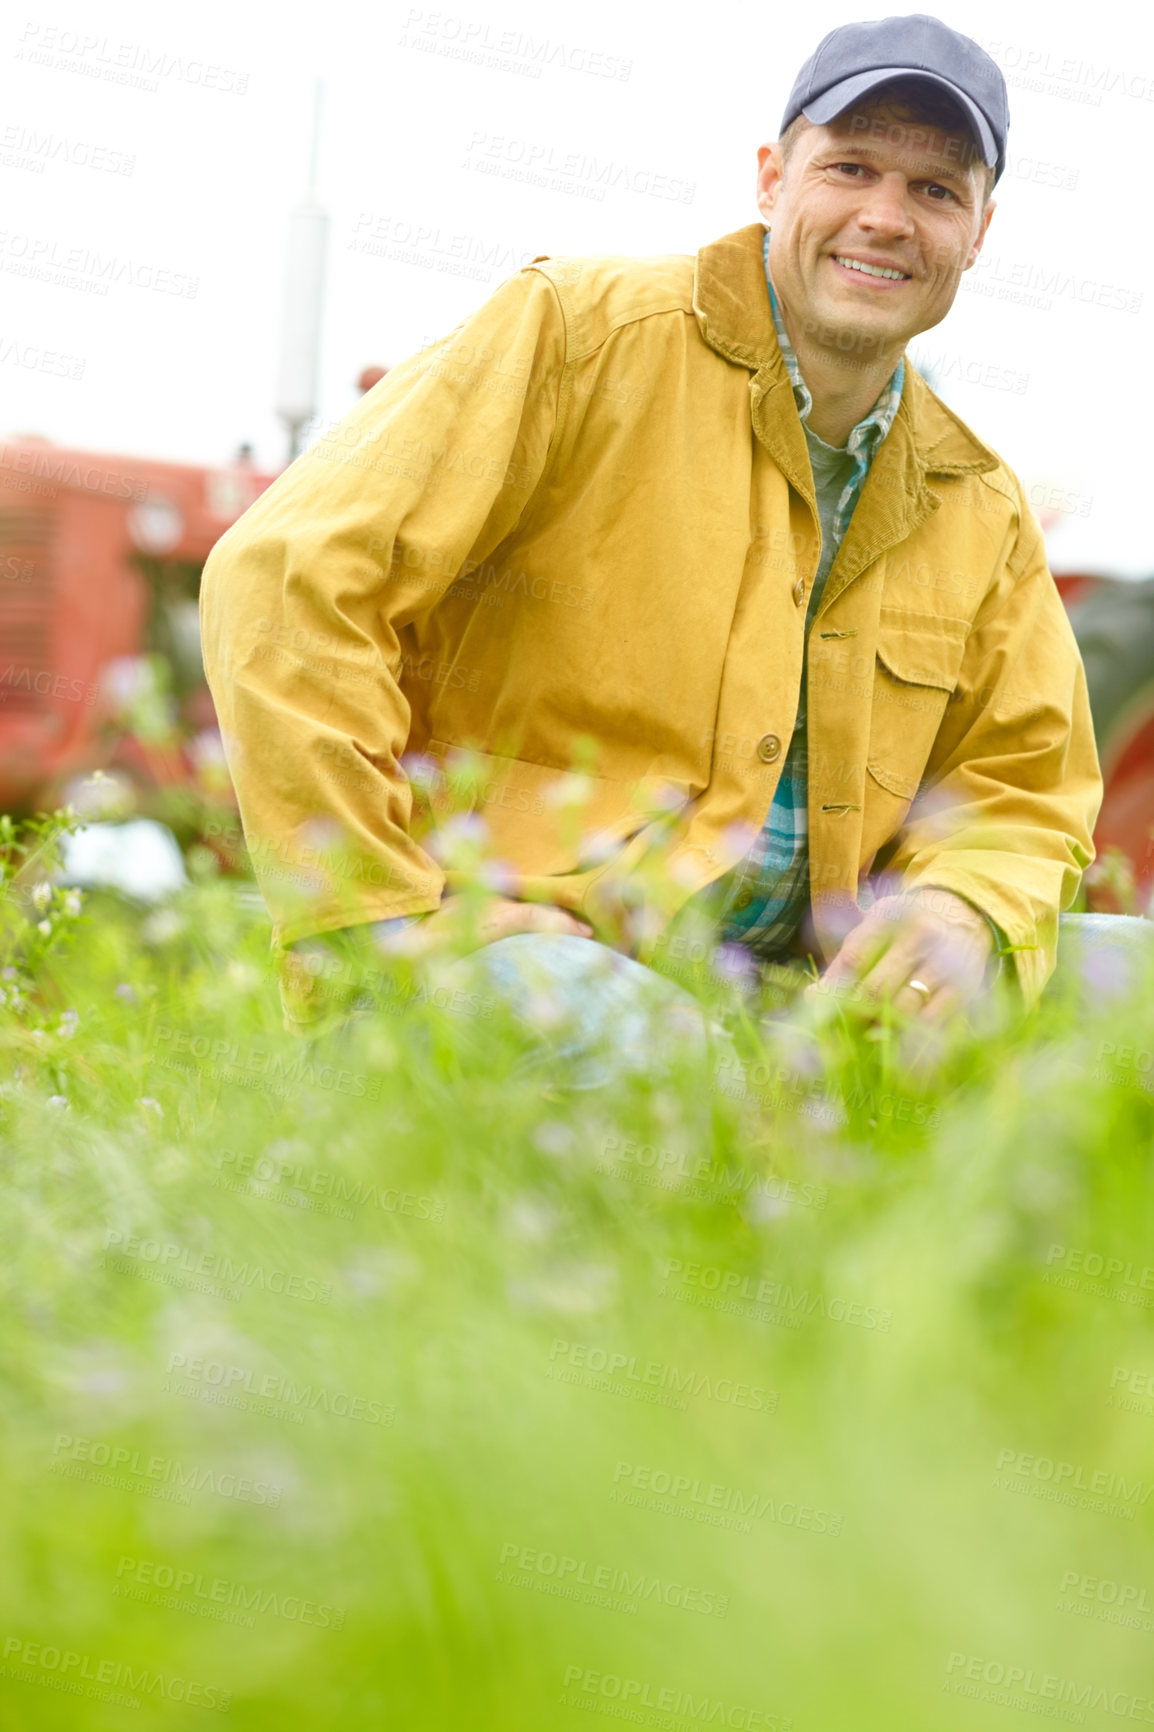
[877, 273]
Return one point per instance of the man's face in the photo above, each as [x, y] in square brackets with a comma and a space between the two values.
[869, 189]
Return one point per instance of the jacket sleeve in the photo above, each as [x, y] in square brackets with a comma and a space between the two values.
[1006, 811]
[303, 598]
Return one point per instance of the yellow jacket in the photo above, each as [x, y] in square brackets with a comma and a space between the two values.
[582, 527]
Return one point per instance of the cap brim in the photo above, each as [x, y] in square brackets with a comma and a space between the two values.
[834, 101]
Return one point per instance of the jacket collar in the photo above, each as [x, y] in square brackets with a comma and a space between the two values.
[731, 303]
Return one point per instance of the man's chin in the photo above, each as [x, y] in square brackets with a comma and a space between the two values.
[859, 341]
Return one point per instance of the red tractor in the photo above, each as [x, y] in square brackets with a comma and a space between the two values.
[1114, 624]
[100, 562]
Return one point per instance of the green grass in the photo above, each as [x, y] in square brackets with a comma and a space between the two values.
[428, 1261]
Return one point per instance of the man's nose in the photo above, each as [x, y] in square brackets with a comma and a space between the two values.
[885, 207]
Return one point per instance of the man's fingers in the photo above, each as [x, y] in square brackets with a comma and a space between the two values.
[858, 954]
[515, 917]
[881, 960]
[909, 1001]
[904, 960]
[941, 1006]
[912, 938]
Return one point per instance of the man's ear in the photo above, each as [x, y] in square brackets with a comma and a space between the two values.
[770, 172]
[984, 224]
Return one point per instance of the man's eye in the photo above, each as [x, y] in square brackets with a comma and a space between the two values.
[850, 167]
[939, 193]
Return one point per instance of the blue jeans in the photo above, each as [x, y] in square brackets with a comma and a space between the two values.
[599, 1015]
[595, 1014]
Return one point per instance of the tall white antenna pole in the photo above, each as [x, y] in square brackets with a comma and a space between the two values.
[296, 397]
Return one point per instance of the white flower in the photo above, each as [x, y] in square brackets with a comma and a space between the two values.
[73, 902]
[147, 1102]
[162, 925]
[572, 789]
[44, 926]
[554, 1137]
[458, 837]
[42, 894]
[68, 1023]
[58, 1101]
[498, 876]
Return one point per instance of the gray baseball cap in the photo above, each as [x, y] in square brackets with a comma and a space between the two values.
[854, 59]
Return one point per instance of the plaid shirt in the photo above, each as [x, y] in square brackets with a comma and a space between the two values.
[768, 892]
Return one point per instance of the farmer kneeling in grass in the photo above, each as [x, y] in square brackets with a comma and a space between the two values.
[678, 568]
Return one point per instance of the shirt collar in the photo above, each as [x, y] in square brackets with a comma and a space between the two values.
[872, 429]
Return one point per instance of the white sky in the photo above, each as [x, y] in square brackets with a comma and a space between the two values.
[1060, 388]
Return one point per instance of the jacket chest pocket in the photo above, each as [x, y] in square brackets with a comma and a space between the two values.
[917, 669]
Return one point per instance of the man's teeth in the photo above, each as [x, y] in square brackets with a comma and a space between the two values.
[870, 270]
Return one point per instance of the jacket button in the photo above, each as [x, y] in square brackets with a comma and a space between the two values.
[768, 748]
[799, 591]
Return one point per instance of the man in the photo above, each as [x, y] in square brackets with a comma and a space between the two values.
[681, 560]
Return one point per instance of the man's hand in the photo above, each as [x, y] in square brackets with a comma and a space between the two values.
[455, 928]
[925, 951]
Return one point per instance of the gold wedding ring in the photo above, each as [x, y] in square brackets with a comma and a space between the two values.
[919, 986]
